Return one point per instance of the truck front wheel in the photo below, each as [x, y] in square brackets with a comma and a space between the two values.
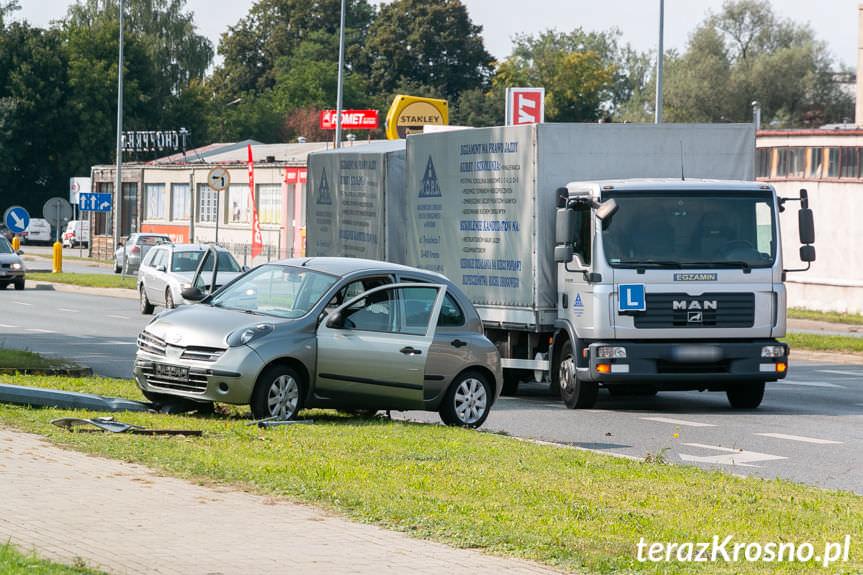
[747, 395]
[576, 394]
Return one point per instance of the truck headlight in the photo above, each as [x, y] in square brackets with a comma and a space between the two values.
[611, 352]
[773, 351]
[247, 334]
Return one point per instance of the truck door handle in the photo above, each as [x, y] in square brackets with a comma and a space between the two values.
[410, 351]
[458, 343]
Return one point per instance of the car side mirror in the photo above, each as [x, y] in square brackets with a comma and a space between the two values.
[335, 320]
[161, 268]
[192, 294]
[244, 268]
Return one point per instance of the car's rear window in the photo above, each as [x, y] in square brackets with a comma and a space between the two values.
[152, 240]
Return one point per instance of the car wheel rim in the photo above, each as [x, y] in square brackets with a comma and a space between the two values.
[283, 397]
[471, 400]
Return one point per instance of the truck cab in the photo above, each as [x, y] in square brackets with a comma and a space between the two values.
[670, 285]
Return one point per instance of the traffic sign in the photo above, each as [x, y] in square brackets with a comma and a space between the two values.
[57, 211]
[219, 179]
[90, 202]
[17, 219]
[632, 298]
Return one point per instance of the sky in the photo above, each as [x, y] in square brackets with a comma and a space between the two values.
[834, 21]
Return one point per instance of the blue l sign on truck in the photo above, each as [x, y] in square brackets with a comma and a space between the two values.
[632, 297]
[88, 202]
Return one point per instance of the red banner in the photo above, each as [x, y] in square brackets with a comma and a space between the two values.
[295, 175]
[351, 120]
[257, 237]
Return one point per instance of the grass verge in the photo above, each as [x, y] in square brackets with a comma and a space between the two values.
[88, 280]
[20, 359]
[14, 561]
[817, 342]
[829, 316]
[577, 510]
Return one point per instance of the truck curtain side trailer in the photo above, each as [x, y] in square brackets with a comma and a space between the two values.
[633, 257]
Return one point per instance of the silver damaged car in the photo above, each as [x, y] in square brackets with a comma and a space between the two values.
[341, 333]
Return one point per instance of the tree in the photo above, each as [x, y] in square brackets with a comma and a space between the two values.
[430, 43]
[745, 53]
[577, 70]
[275, 29]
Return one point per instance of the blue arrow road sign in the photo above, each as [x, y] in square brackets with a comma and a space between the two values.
[17, 219]
[94, 202]
[632, 298]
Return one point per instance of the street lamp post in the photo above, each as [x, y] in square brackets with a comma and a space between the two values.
[341, 78]
[221, 117]
[118, 186]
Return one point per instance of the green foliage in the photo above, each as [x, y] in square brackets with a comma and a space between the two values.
[430, 43]
[14, 561]
[746, 53]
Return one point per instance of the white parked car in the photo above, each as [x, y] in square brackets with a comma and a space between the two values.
[168, 269]
[77, 233]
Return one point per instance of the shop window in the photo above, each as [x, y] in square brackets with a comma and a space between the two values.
[239, 208]
[181, 201]
[816, 163]
[270, 203]
[849, 162]
[208, 203]
[833, 162]
[157, 202]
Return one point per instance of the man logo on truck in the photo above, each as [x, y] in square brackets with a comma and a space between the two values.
[694, 304]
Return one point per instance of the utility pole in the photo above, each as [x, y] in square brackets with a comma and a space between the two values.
[118, 186]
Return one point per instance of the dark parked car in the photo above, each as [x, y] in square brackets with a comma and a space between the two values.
[12, 268]
[342, 333]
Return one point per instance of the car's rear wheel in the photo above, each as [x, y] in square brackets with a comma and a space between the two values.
[747, 395]
[19, 283]
[278, 393]
[576, 394]
[467, 401]
[169, 300]
[145, 306]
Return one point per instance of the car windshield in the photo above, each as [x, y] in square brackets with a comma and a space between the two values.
[277, 290]
[5, 246]
[694, 230]
[186, 261]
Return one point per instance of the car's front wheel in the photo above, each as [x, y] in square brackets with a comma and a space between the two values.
[169, 300]
[468, 400]
[277, 394]
[145, 306]
[19, 283]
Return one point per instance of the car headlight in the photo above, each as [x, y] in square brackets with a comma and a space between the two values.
[16, 266]
[247, 334]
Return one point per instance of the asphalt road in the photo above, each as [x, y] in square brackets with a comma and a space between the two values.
[808, 429]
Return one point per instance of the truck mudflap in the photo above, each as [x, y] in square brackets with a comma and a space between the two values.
[712, 365]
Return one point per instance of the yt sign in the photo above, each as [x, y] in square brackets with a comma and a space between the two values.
[525, 106]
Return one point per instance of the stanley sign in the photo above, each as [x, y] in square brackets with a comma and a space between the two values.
[408, 115]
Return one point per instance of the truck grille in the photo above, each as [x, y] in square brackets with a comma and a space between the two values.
[680, 310]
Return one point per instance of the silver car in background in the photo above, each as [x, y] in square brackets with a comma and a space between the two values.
[341, 333]
[168, 269]
[130, 253]
[12, 269]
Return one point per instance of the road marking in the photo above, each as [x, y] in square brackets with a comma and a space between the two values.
[800, 438]
[7, 325]
[24, 303]
[68, 309]
[37, 330]
[730, 457]
[840, 372]
[118, 316]
[812, 384]
[678, 422]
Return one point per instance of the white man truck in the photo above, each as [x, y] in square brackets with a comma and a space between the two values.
[637, 258]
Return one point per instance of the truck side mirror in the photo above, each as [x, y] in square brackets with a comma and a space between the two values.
[564, 226]
[563, 254]
[807, 253]
[806, 226]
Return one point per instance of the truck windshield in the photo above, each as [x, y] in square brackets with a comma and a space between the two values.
[713, 229]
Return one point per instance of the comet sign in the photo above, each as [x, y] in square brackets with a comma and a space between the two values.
[351, 119]
[89, 202]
